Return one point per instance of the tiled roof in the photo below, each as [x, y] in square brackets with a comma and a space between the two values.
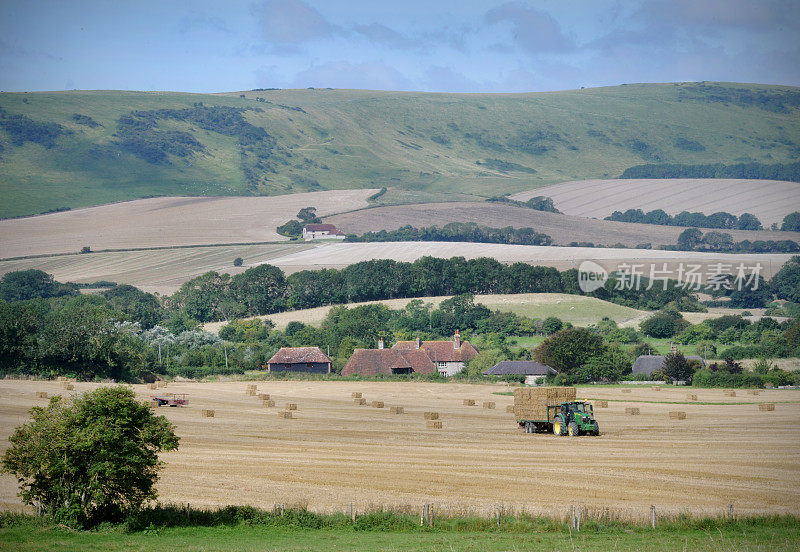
[520, 367]
[645, 364]
[368, 362]
[298, 355]
[320, 228]
[441, 351]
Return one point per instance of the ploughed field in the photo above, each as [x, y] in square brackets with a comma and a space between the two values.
[333, 452]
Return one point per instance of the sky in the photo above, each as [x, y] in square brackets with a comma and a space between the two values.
[433, 45]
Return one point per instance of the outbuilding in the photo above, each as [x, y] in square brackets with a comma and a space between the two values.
[534, 372]
[300, 359]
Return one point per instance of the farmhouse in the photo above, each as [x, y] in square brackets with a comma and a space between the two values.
[321, 232]
[389, 362]
[448, 356]
[646, 364]
[300, 359]
[534, 372]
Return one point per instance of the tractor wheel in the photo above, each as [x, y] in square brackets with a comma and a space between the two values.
[558, 427]
[572, 429]
[596, 429]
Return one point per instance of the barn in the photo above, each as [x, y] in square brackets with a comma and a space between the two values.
[534, 372]
[321, 232]
[300, 359]
[389, 362]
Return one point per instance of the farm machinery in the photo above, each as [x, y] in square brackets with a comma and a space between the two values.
[171, 399]
[554, 409]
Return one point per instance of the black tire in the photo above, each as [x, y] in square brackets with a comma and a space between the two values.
[572, 429]
[559, 428]
[596, 429]
[528, 427]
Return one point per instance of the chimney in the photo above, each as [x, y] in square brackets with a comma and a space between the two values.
[380, 343]
[456, 341]
[417, 342]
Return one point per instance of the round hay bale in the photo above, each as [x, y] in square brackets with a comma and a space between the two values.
[291, 406]
[207, 413]
[286, 414]
[601, 404]
[469, 402]
[632, 410]
[490, 405]
[677, 415]
[396, 409]
[691, 397]
[766, 407]
[355, 395]
[268, 403]
[377, 404]
[359, 402]
[431, 415]
[263, 396]
[433, 424]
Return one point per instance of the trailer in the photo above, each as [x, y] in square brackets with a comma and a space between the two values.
[171, 399]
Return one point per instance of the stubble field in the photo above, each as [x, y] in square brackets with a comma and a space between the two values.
[333, 453]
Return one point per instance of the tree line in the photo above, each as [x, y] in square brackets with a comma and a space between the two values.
[753, 170]
[457, 232]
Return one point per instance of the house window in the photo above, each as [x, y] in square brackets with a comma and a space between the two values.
[442, 364]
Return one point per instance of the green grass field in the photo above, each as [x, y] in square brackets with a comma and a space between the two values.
[739, 537]
[423, 146]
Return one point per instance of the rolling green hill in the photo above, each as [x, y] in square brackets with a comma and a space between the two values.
[72, 149]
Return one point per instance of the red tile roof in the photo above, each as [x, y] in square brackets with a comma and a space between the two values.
[321, 228]
[298, 355]
[441, 351]
[368, 362]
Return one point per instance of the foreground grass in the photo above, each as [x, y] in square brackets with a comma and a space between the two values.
[744, 537]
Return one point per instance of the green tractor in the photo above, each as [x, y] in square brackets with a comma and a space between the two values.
[573, 419]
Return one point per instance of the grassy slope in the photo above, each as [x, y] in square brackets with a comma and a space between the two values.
[369, 139]
[243, 538]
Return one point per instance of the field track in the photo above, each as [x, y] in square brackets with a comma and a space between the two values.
[167, 221]
[333, 453]
[769, 200]
[563, 229]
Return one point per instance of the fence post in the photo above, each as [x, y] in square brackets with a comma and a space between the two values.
[572, 516]
[188, 511]
[352, 512]
[498, 518]
[730, 510]
[578, 519]
[653, 516]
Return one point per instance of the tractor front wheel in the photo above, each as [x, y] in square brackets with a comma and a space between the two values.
[596, 429]
[573, 429]
[558, 427]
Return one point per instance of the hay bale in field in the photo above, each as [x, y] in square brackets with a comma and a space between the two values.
[162, 383]
[766, 407]
[601, 404]
[268, 403]
[691, 397]
[41, 395]
[151, 385]
[286, 414]
[431, 424]
[729, 393]
[252, 386]
[626, 390]
[377, 404]
[396, 409]
[530, 403]
[631, 410]
[469, 402]
[291, 406]
[355, 395]
[431, 415]
[207, 413]
[61, 378]
[753, 391]
[489, 405]
[250, 392]
[359, 402]
[263, 396]
[656, 388]
[677, 415]
[510, 408]
[69, 387]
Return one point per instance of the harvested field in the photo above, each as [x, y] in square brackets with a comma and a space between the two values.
[564, 229]
[168, 221]
[769, 200]
[336, 453]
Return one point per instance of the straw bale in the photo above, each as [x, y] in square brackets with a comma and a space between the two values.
[252, 386]
[263, 396]
[355, 395]
[656, 388]
[601, 404]
[510, 408]
[766, 407]
[729, 393]
[41, 395]
[207, 413]
[69, 387]
[61, 378]
[677, 415]
[431, 415]
[626, 390]
[291, 406]
[396, 409]
[489, 404]
[285, 414]
[753, 391]
[469, 402]
[691, 397]
[250, 392]
[632, 410]
[268, 403]
[359, 402]
[377, 404]
[431, 424]
[151, 385]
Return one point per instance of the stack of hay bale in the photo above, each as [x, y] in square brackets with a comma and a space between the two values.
[251, 390]
[530, 403]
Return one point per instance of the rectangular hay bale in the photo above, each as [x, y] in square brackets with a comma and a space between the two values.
[396, 409]
[151, 385]
[355, 395]
[268, 403]
[359, 402]
[677, 415]
[263, 396]
[626, 390]
[207, 413]
[632, 410]
[753, 391]
[69, 387]
[489, 405]
[250, 392]
[729, 393]
[431, 415]
[469, 402]
[41, 395]
[377, 404]
[510, 408]
[601, 404]
[691, 397]
[287, 414]
[433, 424]
[766, 407]
[291, 406]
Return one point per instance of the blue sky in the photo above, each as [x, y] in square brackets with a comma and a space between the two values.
[468, 46]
